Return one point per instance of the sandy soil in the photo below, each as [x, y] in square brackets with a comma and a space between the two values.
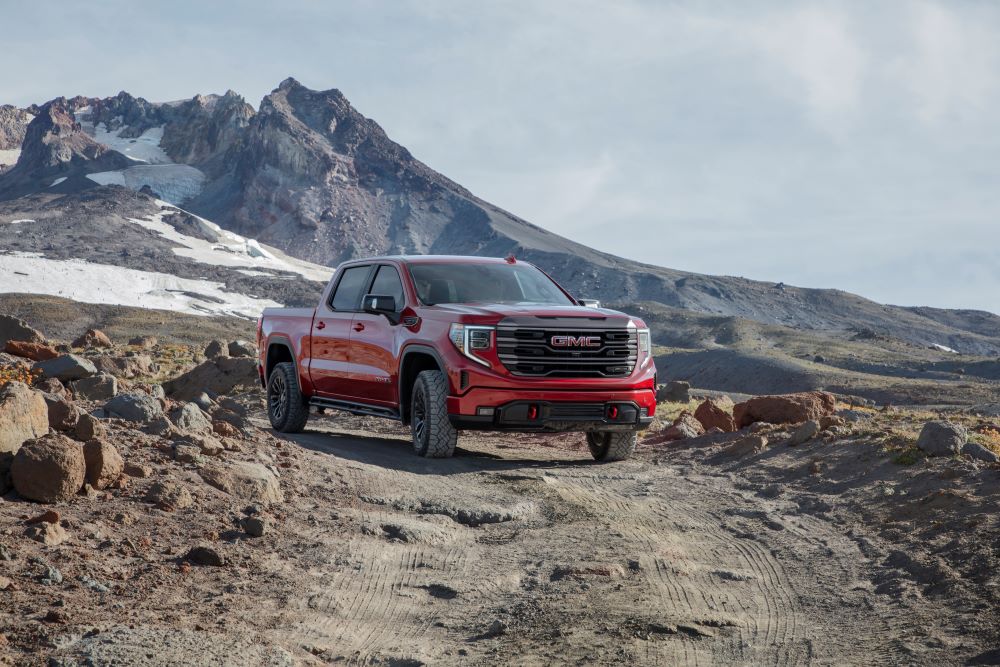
[520, 550]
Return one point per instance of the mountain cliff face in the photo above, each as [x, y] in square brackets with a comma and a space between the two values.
[309, 175]
[13, 123]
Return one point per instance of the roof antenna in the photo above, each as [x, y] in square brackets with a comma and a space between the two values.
[510, 259]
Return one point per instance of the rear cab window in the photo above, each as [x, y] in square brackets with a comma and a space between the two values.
[350, 288]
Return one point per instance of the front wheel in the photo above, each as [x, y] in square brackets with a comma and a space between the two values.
[612, 445]
[434, 436]
[286, 407]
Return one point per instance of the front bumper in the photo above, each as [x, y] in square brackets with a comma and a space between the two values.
[552, 411]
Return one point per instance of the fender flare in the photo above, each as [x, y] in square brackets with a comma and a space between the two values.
[281, 341]
[414, 348]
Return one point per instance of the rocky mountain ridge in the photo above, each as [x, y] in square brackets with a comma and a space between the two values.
[310, 175]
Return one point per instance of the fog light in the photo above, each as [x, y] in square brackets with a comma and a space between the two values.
[485, 412]
[613, 412]
[532, 412]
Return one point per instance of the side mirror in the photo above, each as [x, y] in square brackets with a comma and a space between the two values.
[589, 303]
[380, 304]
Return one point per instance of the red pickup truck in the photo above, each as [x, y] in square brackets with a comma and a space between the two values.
[448, 343]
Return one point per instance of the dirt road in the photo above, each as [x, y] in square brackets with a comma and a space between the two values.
[521, 550]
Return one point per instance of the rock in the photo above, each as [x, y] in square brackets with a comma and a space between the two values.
[169, 496]
[138, 470]
[48, 516]
[24, 415]
[190, 419]
[66, 368]
[63, 415]
[128, 367]
[215, 377]
[784, 408]
[49, 469]
[104, 463]
[854, 416]
[675, 391]
[497, 628]
[242, 348]
[162, 427]
[134, 407]
[157, 392]
[89, 428]
[751, 444]
[978, 452]
[685, 426]
[187, 454]
[51, 386]
[33, 351]
[206, 444]
[255, 526]
[144, 342]
[93, 338]
[100, 387]
[216, 349]
[831, 421]
[49, 534]
[205, 555]
[247, 481]
[225, 429]
[203, 401]
[12, 328]
[942, 438]
[804, 433]
[716, 413]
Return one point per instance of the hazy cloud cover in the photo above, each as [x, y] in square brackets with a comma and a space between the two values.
[847, 145]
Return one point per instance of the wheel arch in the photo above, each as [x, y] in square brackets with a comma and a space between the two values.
[279, 349]
[414, 360]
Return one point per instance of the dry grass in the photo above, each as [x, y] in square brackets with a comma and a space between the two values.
[988, 438]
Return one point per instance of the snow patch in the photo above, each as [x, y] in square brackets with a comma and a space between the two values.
[102, 283]
[10, 156]
[943, 348]
[144, 148]
[176, 183]
[18, 222]
[57, 181]
[231, 250]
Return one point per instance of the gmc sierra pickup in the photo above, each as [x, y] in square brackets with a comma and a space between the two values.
[451, 343]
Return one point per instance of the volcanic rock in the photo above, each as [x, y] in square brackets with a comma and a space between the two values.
[784, 408]
[49, 469]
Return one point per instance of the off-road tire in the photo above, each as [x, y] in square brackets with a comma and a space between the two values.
[287, 409]
[434, 436]
[612, 445]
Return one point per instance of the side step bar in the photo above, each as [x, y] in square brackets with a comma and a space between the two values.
[355, 408]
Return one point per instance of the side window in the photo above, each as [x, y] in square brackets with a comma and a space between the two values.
[387, 283]
[347, 294]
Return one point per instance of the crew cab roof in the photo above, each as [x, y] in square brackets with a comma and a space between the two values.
[431, 259]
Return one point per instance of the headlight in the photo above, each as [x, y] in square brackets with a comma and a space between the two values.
[644, 344]
[470, 339]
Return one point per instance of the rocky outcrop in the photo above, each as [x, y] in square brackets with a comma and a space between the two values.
[23, 416]
[202, 130]
[13, 123]
[14, 329]
[49, 470]
[785, 408]
[717, 413]
[215, 376]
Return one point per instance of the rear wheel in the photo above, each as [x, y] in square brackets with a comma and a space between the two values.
[612, 445]
[433, 433]
[286, 407]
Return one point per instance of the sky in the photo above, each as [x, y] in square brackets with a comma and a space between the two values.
[851, 145]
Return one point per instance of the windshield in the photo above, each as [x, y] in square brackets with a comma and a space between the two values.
[484, 283]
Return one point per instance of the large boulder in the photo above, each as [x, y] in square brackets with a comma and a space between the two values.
[29, 350]
[93, 338]
[675, 391]
[89, 428]
[190, 419]
[49, 469]
[242, 348]
[942, 438]
[215, 376]
[101, 387]
[685, 426]
[785, 408]
[216, 349]
[66, 368]
[11, 328]
[128, 367]
[977, 451]
[63, 415]
[104, 463]
[134, 407]
[717, 413]
[248, 481]
[23, 416]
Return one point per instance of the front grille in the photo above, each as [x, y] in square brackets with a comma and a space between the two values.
[528, 351]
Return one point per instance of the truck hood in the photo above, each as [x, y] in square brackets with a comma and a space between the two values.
[540, 314]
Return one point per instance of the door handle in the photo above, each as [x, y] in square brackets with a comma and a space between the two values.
[321, 324]
[359, 326]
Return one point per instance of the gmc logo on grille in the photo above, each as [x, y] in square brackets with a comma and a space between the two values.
[576, 341]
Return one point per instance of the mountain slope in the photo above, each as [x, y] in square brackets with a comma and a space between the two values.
[308, 174]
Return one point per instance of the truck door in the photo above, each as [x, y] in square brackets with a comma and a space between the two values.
[374, 358]
[331, 332]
